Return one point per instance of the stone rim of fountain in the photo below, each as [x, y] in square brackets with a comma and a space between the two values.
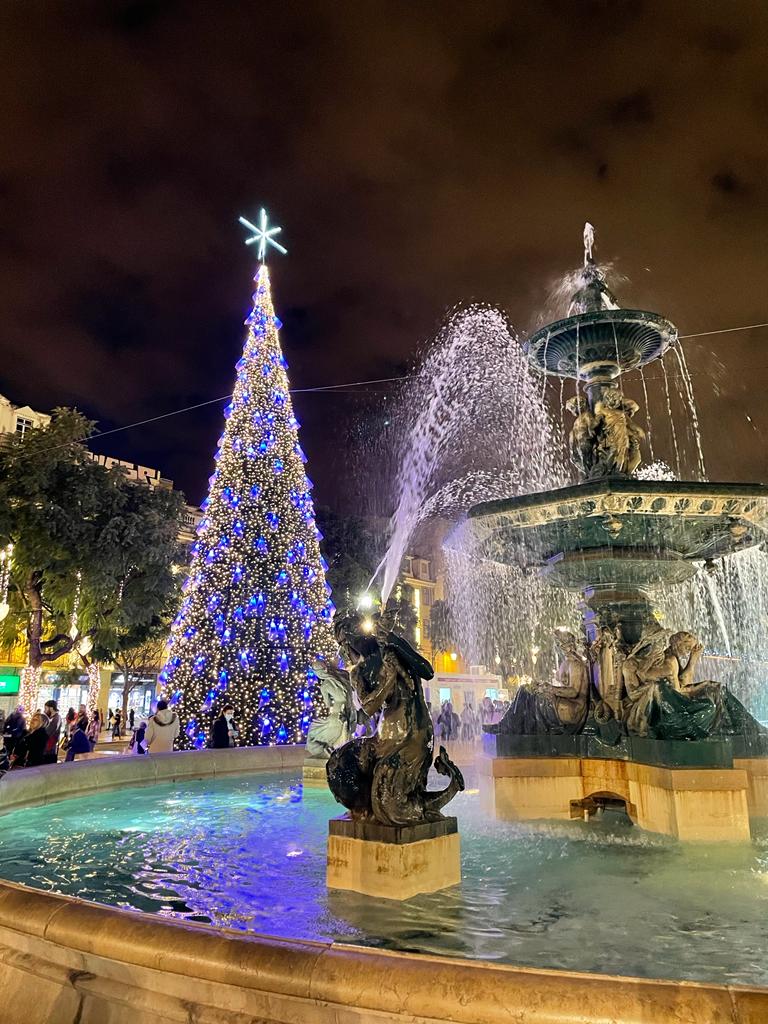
[90, 960]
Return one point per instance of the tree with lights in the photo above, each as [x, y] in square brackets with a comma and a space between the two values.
[86, 553]
[256, 609]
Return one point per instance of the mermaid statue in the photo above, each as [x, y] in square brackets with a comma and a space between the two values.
[383, 778]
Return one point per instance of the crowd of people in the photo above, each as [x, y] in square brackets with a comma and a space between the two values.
[47, 736]
[450, 726]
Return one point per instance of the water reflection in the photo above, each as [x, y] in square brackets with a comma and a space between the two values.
[249, 853]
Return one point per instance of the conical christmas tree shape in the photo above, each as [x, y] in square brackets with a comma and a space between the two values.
[256, 610]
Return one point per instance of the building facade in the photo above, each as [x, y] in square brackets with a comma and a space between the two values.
[423, 583]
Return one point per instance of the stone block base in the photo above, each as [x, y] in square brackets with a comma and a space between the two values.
[393, 863]
[698, 804]
[313, 772]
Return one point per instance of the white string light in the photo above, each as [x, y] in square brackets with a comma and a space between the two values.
[5, 578]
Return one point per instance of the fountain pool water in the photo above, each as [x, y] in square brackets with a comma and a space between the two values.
[249, 853]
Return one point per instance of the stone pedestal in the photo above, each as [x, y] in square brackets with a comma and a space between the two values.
[393, 863]
[695, 804]
[313, 772]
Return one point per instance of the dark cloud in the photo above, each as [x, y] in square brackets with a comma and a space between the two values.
[417, 155]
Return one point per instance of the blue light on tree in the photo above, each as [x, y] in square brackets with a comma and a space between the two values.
[257, 613]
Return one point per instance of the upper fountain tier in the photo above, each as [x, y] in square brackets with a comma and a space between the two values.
[599, 341]
[614, 537]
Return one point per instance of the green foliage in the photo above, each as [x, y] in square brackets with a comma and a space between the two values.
[67, 515]
[349, 547]
[440, 628]
[405, 619]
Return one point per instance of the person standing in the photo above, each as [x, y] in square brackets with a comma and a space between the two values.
[94, 729]
[138, 742]
[53, 729]
[467, 724]
[225, 732]
[78, 742]
[15, 727]
[82, 716]
[131, 719]
[162, 730]
[117, 728]
[445, 721]
[109, 720]
[69, 725]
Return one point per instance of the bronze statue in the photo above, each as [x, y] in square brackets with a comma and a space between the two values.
[607, 653]
[619, 438]
[604, 440]
[383, 778]
[583, 436]
[552, 708]
[664, 701]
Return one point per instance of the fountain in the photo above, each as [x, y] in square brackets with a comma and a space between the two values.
[626, 707]
[209, 884]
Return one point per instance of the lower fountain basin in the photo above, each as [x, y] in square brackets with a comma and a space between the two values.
[536, 887]
[621, 532]
[247, 852]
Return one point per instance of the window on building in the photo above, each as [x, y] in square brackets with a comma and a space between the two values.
[23, 424]
[492, 692]
[426, 597]
[422, 569]
[408, 565]
[445, 693]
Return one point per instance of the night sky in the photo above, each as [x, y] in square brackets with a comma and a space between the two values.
[417, 155]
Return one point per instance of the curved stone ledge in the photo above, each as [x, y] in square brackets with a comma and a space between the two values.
[66, 961]
[50, 783]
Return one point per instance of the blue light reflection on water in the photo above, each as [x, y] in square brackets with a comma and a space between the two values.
[249, 853]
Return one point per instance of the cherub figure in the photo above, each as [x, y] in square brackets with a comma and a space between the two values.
[583, 437]
[618, 449]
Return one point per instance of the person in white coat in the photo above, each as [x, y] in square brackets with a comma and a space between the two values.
[162, 730]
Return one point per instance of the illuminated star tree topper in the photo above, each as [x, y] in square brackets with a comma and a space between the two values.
[263, 234]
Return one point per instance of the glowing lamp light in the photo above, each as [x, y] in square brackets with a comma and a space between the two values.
[365, 602]
[454, 656]
[367, 625]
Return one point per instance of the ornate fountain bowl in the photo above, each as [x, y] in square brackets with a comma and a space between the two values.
[600, 345]
[618, 533]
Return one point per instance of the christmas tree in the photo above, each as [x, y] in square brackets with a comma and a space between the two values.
[256, 610]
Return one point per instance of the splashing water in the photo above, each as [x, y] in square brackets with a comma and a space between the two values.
[655, 471]
[726, 606]
[479, 429]
[503, 614]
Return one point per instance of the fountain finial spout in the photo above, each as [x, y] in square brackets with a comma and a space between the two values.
[589, 242]
[593, 294]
